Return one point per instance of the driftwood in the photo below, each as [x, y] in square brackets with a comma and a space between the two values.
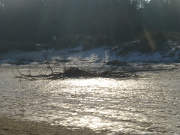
[77, 73]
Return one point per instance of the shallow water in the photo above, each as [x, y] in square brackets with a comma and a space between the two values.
[146, 105]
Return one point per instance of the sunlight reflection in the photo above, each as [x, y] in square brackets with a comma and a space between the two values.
[97, 103]
[89, 121]
[75, 84]
[95, 82]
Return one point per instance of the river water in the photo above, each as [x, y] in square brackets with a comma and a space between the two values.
[147, 105]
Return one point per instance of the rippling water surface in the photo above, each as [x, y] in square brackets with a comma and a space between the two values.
[146, 105]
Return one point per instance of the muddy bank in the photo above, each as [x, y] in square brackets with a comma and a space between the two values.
[10, 126]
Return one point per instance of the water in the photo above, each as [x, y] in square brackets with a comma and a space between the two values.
[148, 105]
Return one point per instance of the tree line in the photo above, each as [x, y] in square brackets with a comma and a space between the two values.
[62, 23]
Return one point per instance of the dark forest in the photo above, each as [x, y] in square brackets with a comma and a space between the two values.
[91, 23]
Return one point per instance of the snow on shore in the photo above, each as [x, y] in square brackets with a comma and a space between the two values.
[97, 55]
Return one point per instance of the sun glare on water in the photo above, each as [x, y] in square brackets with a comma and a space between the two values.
[94, 82]
[93, 103]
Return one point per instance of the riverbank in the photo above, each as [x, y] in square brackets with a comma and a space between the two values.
[126, 53]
